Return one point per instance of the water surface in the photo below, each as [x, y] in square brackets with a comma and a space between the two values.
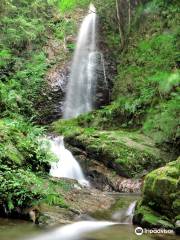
[22, 230]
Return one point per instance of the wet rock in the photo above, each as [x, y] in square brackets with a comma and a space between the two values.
[84, 217]
[29, 214]
[51, 106]
[54, 215]
[80, 202]
[104, 178]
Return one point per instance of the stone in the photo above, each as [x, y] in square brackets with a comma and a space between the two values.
[160, 205]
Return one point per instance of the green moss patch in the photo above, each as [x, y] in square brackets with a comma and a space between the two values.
[160, 195]
[130, 154]
[150, 219]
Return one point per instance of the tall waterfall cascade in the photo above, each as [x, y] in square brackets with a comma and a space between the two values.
[81, 88]
[66, 166]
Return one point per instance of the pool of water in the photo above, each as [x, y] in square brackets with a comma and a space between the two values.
[126, 232]
[23, 230]
[13, 229]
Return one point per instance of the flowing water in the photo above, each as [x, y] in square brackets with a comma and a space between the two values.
[125, 216]
[74, 231]
[66, 166]
[100, 229]
[81, 87]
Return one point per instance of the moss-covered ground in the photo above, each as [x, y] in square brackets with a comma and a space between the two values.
[130, 154]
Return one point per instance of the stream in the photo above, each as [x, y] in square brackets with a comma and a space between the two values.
[102, 226]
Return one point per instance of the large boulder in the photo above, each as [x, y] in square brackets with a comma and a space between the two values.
[160, 204]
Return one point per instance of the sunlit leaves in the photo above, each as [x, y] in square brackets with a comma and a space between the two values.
[69, 5]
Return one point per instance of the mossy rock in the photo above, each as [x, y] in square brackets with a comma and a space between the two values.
[130, 154]
[160, 197]
[161, 188]
[148, 218]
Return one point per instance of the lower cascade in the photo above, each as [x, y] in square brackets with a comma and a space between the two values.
[125, 216]
[74, 231]
[66, 166]
[77, 230]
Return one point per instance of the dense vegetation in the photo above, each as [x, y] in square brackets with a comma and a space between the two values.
[146, 89]
[26, 29]
[144, 93]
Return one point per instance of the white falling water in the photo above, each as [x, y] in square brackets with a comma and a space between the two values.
[74, 231]
[82, 83]
[67, 166]
[125, 216]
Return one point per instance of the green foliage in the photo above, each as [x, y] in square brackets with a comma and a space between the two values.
[31, 18]
[54, 199]
[64, 28]
[20, 144]
[167, 82]
[18, 94]
[5, 56]
[147, 85]
[162, 122]
[22, 188]
[70, 5]
[109, 32]
[27, 28]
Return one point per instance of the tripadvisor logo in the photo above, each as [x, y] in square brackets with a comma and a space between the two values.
[138, 231]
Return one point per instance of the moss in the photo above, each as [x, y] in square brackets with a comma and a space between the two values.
[68, 128]
[160, 195]
[146, 217]
[128, 153]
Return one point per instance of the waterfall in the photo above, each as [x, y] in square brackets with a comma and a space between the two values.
[74, 231]
[67, 166]
[82, 83]
[125, 216]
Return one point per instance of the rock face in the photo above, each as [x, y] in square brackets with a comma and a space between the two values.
[160, 204]
[52, 104]
[103, 178]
